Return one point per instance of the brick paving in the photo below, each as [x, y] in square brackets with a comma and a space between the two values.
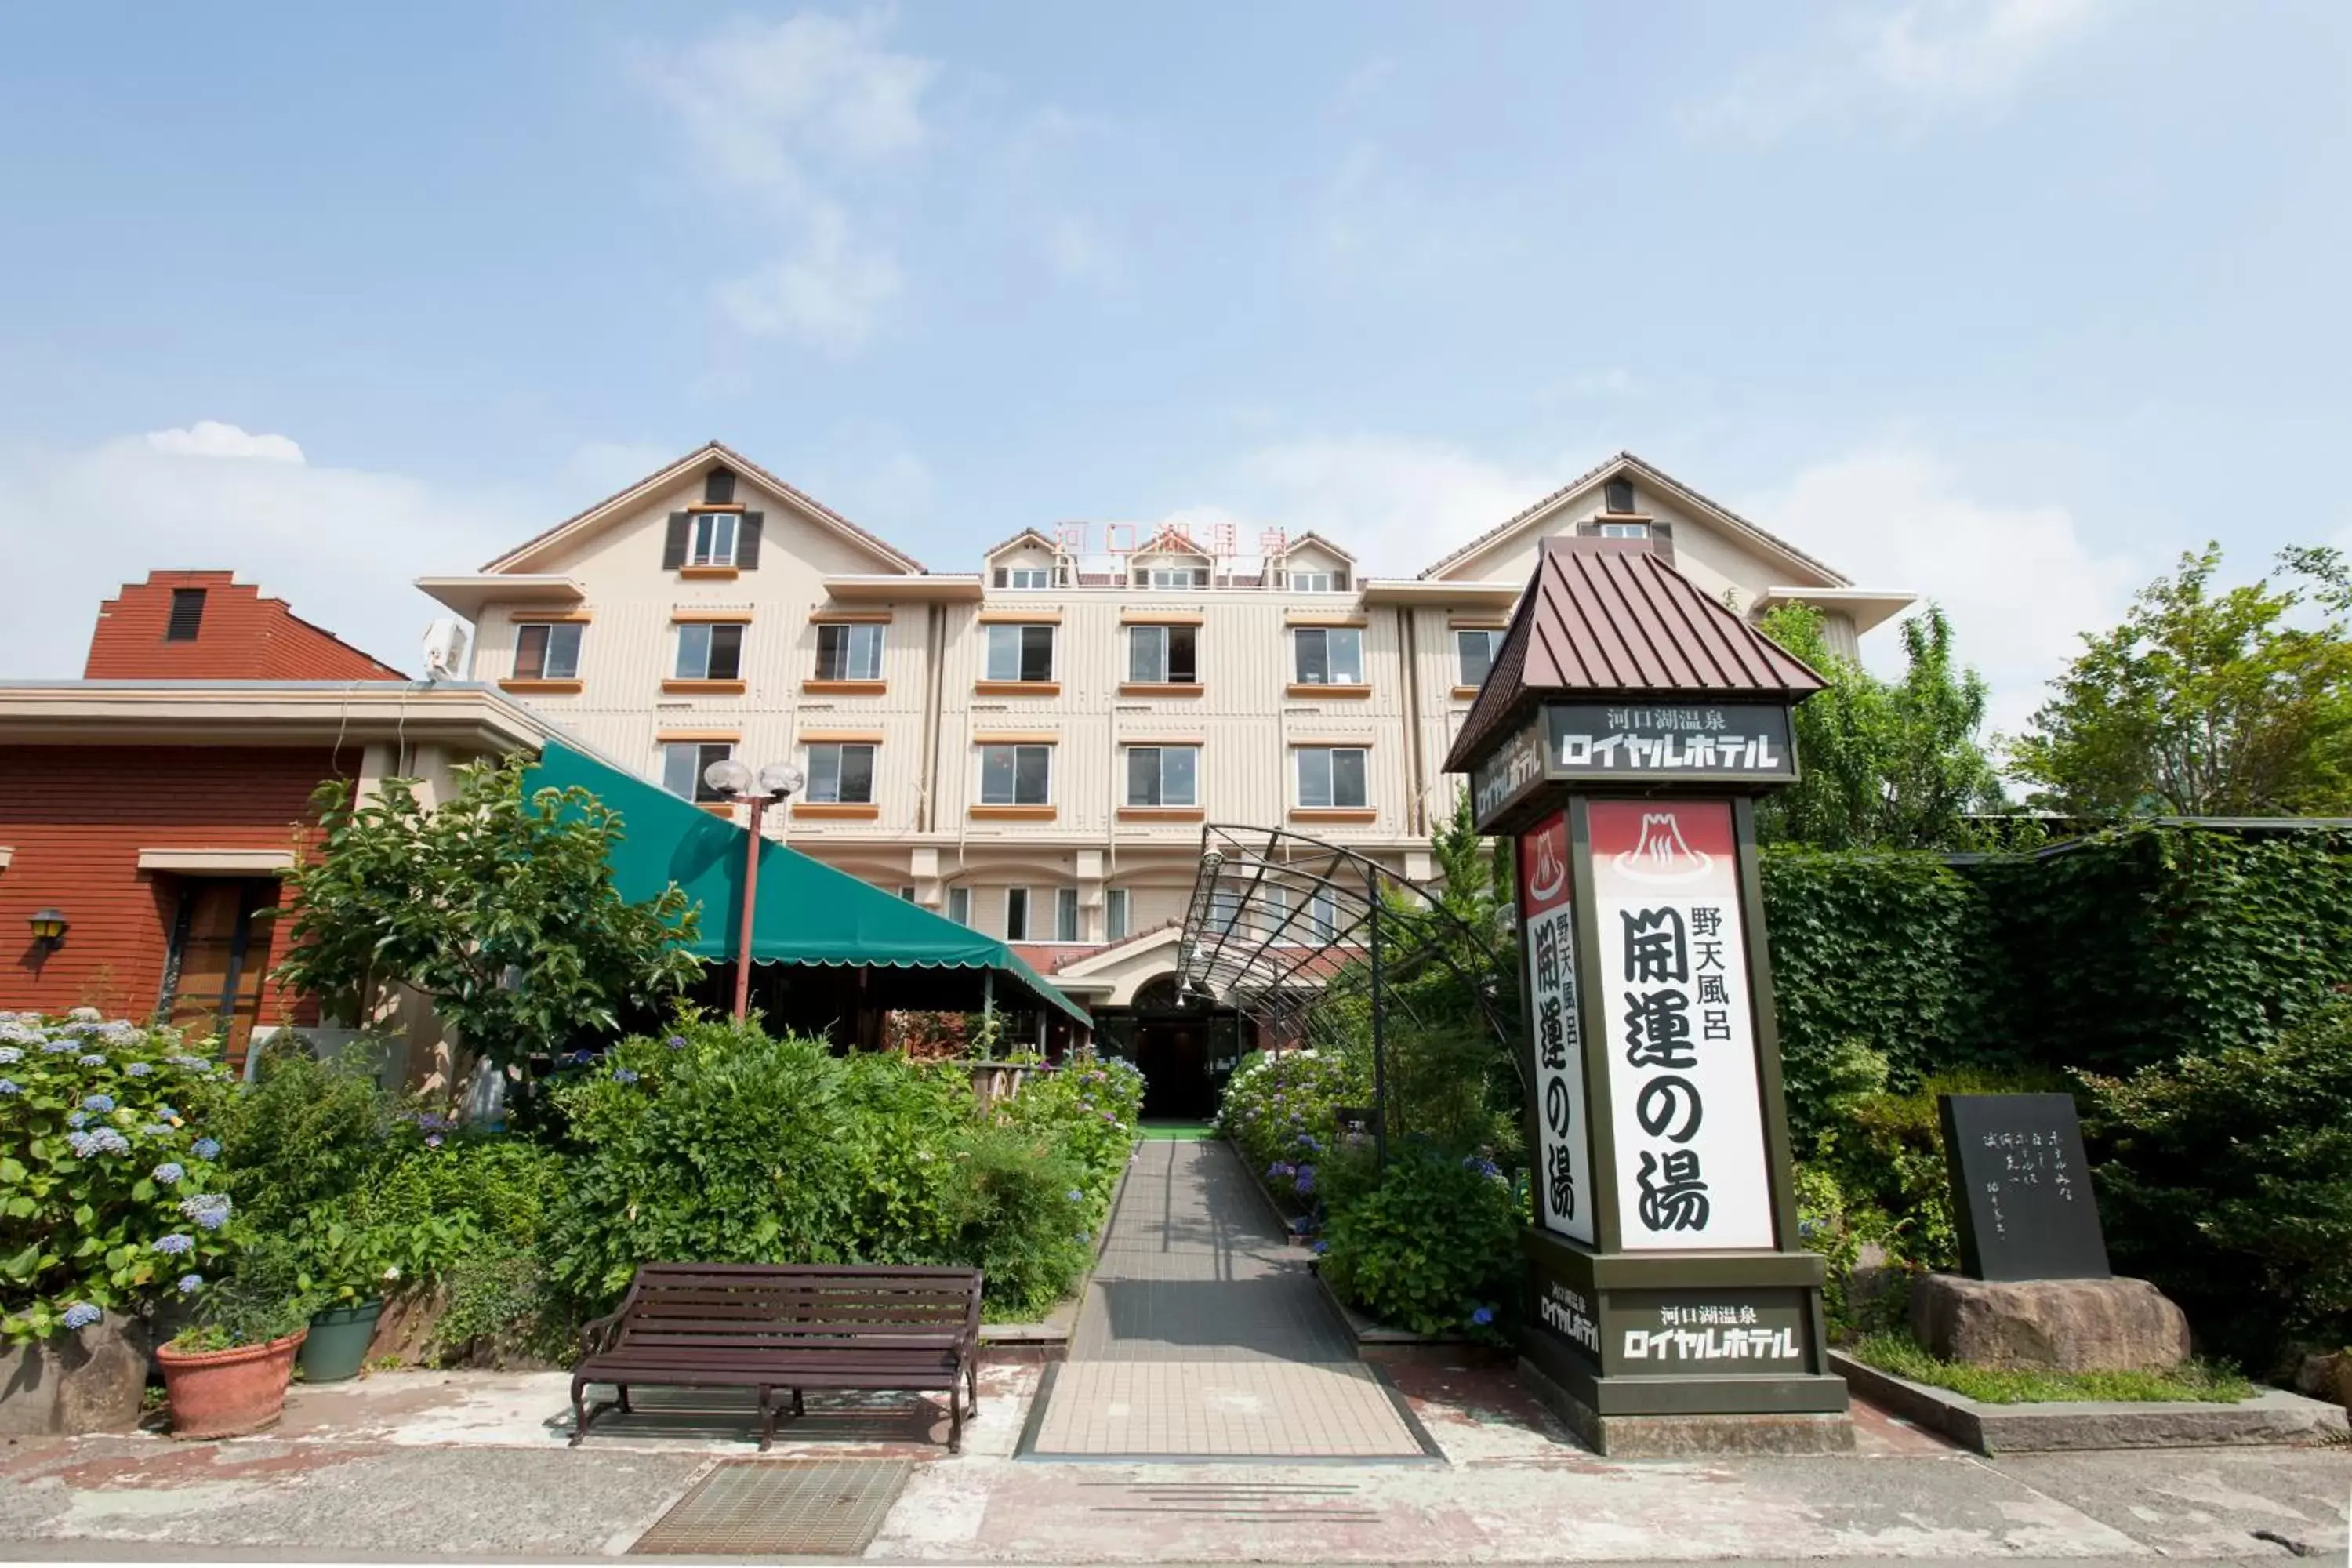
[1203, 1334]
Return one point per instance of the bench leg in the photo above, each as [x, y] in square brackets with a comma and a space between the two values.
[580, 1416]
[955, 1420]
[971, 1381]
[767, 1416]
[799, 1409]
[625, 1401]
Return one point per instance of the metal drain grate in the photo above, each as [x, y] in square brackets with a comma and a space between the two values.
[1281, 1503]
[767, 1508]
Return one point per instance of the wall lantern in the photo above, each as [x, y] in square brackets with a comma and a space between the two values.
[48, 927]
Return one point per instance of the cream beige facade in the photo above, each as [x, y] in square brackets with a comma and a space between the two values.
[1045, 735]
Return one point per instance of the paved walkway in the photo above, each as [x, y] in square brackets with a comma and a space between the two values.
[1203, 1334]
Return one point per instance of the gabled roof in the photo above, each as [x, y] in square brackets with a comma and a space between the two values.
[1026, 536]
[1608, 617]
[1170, 540]
[1716, 511]
[1311, 537]
[710, 454]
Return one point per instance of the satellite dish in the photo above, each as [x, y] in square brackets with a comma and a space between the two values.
[444, 648]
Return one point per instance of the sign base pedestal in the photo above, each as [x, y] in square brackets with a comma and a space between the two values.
[1676, 1353]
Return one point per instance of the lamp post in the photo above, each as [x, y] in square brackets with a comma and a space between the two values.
[735, 780]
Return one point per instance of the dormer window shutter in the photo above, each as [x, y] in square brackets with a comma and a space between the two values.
[718, 487]
[1001, 577]
[674, 547]
[747, 541]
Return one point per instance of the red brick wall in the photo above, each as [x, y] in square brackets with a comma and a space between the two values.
[242, 637]
[76, 818]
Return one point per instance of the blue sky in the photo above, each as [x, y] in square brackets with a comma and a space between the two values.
[2002, 300]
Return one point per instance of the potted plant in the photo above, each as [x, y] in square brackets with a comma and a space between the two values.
[226, 1373]
[345, 1269]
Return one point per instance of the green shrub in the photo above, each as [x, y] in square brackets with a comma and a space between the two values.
[2195, 1380]
[1278, 1105]
[107, 1162]
[718, 1144]
[303, 1135]
[259, 1302]
[1430, 1246]
[2227, 1179]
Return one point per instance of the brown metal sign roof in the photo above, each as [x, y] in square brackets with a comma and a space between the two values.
[1608, 617]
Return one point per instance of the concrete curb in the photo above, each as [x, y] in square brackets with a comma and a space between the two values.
[2271, 1416]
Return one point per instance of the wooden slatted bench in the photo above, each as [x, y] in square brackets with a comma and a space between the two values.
[787, 1326]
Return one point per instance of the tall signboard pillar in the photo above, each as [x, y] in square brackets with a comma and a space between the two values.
[1672, 1310]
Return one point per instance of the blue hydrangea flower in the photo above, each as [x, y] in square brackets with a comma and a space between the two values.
[167, 1111]
[104, 1140]
[1076, 1196]
[189, 1283]
[1321, 1246]
[207, 1148]
[1305, 1179]
[139, 1069]
[210, 1210]
[98, 1104]
[1279, 1169]
[159, 1129]
[1483, 1316]
[58, 1047]
[433, 1140]
[77, 1118]
[623, 1075]
[676, 1042]
[80, 1315]
[10, 1055]
[92, 1061]
[179, 1241]
[8, 1086]
[169, 1173]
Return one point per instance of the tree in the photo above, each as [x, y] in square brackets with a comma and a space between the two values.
[499, 908]
[1885, 765]
[2206, 702]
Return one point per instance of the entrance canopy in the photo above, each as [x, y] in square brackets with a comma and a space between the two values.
[807, 913]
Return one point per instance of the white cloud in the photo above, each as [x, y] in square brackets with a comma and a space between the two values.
[787, 117]
[2018, 581]
[828, 291]
[210, 439]
[340, 545]
[1923, 57]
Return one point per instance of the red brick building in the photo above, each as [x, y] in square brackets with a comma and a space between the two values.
[206, 625]
[153, 807]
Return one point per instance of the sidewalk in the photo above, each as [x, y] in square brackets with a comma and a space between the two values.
[471, 1464]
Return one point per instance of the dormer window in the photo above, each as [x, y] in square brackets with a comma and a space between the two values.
[1027, 577]
[1617, 496]
[1171, 576]
[712, 542]
[187, 615]
[1624, 530]
[1319, 582]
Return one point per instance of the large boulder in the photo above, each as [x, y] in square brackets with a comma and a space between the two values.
[2327, 1377]
[2049, 1325]
[90, 1379]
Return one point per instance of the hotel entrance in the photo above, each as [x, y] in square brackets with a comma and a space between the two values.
[1185, 1053]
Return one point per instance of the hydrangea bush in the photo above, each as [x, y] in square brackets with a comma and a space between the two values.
[1278, 1110]
[112, 1198]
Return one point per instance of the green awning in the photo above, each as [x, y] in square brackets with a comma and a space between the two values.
[808, 912]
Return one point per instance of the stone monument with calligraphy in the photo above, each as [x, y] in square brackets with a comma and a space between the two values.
[2034, 1290]
[1628, 724]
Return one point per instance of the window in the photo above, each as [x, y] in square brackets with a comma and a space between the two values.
[1020, 653]
[711, 539]
[1323, 915]
[907, 894]
[1028, 577]
[1163, 776]
[1115, 915]
[707, 652]
[1016, 914]
[840, 775]
[1015, 775]
[960, 905]
[1617, 495]
[1225, 909]
[849, 653]
[1319, 582]
[1066, 914]
[1172, 577]
[1331, 775]
[547, 651]
[1163, 656]
[683, 762]
[187, 615]
[1477, 650]
[1279, 932]
[1330, 656]
[1624, 530]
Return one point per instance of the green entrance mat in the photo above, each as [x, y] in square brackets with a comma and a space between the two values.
[1178, 1131]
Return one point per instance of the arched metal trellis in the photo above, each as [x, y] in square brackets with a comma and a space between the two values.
[1283, 923]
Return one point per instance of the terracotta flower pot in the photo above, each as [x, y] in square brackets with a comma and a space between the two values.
[227, 1394]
